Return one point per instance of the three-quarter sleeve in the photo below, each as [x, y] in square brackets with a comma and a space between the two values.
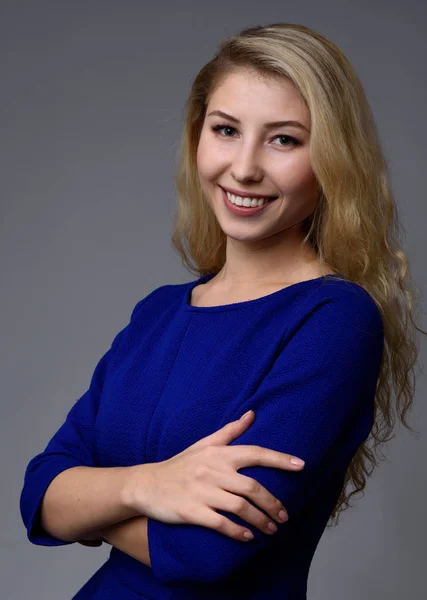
[72, 445]
[317, 403]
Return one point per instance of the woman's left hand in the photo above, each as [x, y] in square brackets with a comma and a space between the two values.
[92, 541]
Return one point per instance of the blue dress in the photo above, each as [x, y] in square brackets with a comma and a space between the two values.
[305, 358]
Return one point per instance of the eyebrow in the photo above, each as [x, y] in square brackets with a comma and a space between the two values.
[219, 113]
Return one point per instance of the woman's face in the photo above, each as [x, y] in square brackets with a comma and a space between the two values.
[249, 156]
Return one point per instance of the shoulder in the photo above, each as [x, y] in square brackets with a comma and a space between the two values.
[152, 296]
[337, 333]
[158, 299]
[346, 304]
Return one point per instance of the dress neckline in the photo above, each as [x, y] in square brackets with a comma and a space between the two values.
[247, 303]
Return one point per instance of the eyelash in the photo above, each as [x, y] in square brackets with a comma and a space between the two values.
[295, 142]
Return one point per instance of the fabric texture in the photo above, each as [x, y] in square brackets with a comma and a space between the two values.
[306, 359]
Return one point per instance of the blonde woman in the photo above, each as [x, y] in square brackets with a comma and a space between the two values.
[301, 314]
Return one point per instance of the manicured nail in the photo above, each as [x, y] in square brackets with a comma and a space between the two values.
[283, 516]
[297, 461]
[246, 415]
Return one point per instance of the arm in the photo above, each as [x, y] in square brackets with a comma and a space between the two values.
[316, 402]
[130, 537]
[66, 495]
[83, 500]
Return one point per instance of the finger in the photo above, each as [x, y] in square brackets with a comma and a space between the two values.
[228, 433]
[90, 543]
[209, 518]
[249, 456]
[238, 488]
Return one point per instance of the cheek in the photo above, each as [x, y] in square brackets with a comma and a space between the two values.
[209, 160]
[202, 156]
[298, 175]
[199, 155]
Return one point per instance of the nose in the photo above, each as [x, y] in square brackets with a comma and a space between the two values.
[246, 167]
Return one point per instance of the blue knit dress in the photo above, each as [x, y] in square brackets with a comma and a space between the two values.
[305, 358]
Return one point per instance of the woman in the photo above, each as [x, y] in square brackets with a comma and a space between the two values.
[301, 313]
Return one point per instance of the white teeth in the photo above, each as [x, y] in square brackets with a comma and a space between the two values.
[248, 202]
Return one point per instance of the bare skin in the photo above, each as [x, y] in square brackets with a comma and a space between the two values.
[264, 252]
[212, 293]
[188, 487]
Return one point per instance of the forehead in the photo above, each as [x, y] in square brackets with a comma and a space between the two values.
[245, 93]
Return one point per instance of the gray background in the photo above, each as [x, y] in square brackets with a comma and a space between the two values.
[91, 106]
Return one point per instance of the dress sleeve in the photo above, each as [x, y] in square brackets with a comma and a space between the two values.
[71, 446]
[316, 402]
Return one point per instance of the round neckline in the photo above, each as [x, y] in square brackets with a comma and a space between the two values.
[245, 303]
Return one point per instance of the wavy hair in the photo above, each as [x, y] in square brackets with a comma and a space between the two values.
[355, 228]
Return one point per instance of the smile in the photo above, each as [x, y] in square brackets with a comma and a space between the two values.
[245, 206]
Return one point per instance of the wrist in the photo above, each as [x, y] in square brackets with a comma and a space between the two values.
[133, 488]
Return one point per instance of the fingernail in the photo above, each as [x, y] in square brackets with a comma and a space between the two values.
[297, 461]
[283, 516]
[272, 527]
[246, 415]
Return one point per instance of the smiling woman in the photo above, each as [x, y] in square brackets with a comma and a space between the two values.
[242, 150]
[301, 314]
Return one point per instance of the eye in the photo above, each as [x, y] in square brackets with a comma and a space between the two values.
[217, 128]
[293, 141]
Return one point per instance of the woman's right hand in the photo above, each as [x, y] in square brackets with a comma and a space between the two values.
[188, 487]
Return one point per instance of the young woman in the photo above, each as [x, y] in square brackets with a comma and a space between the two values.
[301, 314]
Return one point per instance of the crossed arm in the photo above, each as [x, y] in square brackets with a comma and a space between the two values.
[344, 364]
[129, 536]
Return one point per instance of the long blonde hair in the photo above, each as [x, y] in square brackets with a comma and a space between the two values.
[354, 229]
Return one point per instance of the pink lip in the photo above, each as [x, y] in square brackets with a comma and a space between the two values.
[245, 194]
[238, 210]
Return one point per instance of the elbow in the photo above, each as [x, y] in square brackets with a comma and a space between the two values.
[191, 575]
[207, 568]
[191, 553]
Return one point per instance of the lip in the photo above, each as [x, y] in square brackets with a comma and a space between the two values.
[243, 212]
[246, 194]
